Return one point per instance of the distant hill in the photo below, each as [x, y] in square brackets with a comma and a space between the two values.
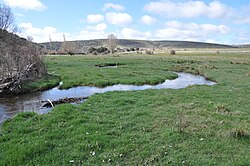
[83, 45]
[245, 46]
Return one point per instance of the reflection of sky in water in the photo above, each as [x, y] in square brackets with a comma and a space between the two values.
[33, 101]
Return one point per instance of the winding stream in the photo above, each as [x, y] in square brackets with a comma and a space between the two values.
[33, 101]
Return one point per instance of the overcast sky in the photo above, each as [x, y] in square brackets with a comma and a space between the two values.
[225, 21]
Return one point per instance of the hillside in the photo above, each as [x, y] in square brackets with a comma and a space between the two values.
[83, 45]
[20, 62]
[10, 41]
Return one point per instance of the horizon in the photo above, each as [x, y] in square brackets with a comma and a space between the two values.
[212, 21]
[162, 40]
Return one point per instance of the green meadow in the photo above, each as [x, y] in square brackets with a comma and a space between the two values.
[198, 125]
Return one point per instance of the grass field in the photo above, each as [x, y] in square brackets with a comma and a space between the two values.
[198, 125]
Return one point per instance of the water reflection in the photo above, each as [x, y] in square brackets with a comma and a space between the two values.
[33, 101]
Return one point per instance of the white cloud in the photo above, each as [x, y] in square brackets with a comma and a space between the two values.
[191, 31]
[87, 35]
[148, 20]
[41, 34]
[245, 20]
[98, 27]
[206, 28]
[101, 27]
[95, 18]
[113, 6]
[188, 9]
[118, 18]
[26, 4]
[91, 32]
[128, 33]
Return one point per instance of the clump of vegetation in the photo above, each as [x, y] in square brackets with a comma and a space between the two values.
[95, 53]
[99, 50]
[127, 49]
[239, 133]
[182, 124]
[181, 68]
[207, 66]
[149, 52]
[239, 63]
[222, 109]
[106, 52]
[172, 52]
[132, 49]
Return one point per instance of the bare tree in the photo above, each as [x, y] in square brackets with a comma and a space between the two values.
[112, 42]
[7, 21]
[68, 47]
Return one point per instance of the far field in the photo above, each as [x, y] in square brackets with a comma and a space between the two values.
[198, 125]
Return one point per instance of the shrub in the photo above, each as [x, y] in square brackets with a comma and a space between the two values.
[92, 49]
[95, 53]
[149, 52]
[132, 49]
[172, 52]
[101, 49]
[106, 52]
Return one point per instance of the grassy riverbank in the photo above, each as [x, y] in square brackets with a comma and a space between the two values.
[47, 82]
[198, 125]
[137, 70]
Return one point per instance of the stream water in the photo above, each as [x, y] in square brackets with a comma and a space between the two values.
[33, 101]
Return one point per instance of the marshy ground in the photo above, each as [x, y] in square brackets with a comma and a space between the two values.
[198, 125]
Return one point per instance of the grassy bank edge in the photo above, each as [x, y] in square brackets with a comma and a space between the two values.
[47, 82]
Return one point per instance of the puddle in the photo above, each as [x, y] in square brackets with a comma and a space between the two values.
[33, 101]
[108, 65]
